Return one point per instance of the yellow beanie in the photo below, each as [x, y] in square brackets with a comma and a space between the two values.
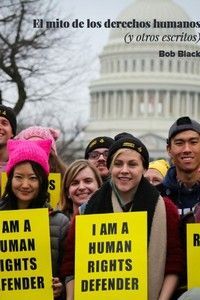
[160, 165]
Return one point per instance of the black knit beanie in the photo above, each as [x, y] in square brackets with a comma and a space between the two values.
[9, 114]
[98, 142]
[130, 142]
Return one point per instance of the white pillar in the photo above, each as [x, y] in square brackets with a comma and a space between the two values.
[124, 105]
[130, 104]
[92, 106]
[177, 99]
[188, 104]
[96, 105]
[135, 104]
[99, 106]
[166, 104]
[145, 97]
[156, 112]
[115, 108]
[106, 106]
[196, 117]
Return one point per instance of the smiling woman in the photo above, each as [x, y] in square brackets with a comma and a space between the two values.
[126, 172]
[25, 184]
[128, 191]
[27, 188]
[80, 182]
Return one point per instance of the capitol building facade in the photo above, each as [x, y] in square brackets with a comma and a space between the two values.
[139, 91]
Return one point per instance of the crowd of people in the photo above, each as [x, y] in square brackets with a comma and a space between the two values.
[114, 176]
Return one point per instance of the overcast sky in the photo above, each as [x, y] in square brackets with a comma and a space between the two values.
[96, 38]
[103, 9]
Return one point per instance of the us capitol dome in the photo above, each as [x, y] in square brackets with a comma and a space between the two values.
[139, 91]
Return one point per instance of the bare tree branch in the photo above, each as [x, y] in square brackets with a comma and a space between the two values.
[38, 63]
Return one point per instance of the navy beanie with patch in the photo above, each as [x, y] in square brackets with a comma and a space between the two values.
[9, 114]
[126, 140]
[98, 142]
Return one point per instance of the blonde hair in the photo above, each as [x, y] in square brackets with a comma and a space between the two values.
[66, 204]
[122, 150]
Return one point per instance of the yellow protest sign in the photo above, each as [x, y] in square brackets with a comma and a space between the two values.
[3, 182]
[54, 187]
[111, 256]
[25, 255]
[193, 255]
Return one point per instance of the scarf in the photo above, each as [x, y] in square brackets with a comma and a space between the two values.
[147, 199]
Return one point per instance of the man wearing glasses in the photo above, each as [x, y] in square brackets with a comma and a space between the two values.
[97, 152]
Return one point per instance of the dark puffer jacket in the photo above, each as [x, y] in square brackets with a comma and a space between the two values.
[59, 224]
[184, 198]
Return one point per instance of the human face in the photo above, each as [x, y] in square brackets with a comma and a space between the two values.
[126, 171]
[25, 184]
[184, 150]
[100, 162]
[5, 131]
[83, 187]
[153, 176]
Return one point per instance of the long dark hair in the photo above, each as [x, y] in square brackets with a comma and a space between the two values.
[9, 198]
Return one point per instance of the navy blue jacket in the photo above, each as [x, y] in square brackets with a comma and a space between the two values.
[184, 198]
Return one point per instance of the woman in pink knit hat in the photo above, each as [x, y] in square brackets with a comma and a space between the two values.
[44, 133]
[27, 188]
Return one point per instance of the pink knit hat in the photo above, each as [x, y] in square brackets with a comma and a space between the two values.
[40, 132]
[24, 150]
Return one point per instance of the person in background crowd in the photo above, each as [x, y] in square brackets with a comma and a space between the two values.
[80, 182]
[182, 181]
[126, 191]
[27, 170]
[97, 151]
[157, 171]
[43, 133]
[8, 127]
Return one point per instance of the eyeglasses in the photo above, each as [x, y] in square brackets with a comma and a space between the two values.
[96, 154]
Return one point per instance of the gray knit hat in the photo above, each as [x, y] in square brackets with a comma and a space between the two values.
[182, 124]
